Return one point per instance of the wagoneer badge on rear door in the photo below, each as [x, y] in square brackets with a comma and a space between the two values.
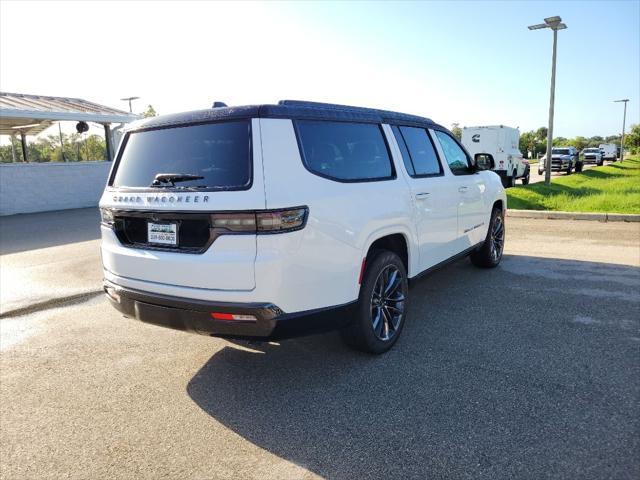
[155, 199]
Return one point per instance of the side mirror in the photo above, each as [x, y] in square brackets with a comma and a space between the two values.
[484, 161]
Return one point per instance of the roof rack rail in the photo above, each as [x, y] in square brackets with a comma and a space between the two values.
[385, 114]
[305, 103]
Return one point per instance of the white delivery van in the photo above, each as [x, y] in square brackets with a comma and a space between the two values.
[502, 144]
[609, 151]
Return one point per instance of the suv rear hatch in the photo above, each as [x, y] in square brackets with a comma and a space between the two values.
[179, 202]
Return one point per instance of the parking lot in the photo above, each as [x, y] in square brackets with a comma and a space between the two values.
[530, 370]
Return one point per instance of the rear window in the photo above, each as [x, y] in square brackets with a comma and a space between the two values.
[348, 152]
[422, 155]
[220, 153]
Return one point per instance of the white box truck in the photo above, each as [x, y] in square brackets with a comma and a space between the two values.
[502, 143]
[609, 151]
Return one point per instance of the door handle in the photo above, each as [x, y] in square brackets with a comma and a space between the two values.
[463, 189]
[422, 195]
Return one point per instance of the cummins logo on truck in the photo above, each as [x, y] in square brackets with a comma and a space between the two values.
[476, 138]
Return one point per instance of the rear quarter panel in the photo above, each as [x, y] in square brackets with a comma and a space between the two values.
[323, 265]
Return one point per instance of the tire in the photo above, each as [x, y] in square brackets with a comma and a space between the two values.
[540, 172]
[490, 253]
[508, 181]
[569, 169]
[527, 177]
[382, 305]
[600, 163]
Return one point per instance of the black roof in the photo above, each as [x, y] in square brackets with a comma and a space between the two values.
[291, 109]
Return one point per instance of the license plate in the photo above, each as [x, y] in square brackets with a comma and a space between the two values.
[162, 233]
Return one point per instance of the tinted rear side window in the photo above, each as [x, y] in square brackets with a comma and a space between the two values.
[406, 158]
[423, 154]
[348, 152]
[218, 152]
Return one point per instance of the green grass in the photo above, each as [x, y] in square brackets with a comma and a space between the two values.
[613, 188]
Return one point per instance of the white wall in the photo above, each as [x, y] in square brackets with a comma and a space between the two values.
[40, 187]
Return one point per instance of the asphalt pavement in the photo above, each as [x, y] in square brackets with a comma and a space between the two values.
[530, 370]
[48, 256]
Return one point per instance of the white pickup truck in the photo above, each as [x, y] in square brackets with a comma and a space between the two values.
[502, 144]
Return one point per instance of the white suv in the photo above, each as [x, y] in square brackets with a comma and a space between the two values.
[273, 221]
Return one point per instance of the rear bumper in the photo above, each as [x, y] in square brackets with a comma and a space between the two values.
[271, 323]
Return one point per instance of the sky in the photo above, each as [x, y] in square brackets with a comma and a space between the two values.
[473, 62]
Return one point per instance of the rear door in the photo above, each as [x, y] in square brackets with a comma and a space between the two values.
[163, 229]
[472, 215]
[434, 196]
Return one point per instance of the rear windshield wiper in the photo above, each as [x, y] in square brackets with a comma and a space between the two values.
[169, 179]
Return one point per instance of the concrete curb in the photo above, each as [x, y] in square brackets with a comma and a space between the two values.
[551, 215]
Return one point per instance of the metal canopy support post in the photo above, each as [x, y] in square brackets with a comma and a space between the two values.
[13, 149]
[23, 139]
[64, 159]
[107, 141]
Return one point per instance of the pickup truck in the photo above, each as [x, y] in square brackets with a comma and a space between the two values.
[563, 159]
[592, 155]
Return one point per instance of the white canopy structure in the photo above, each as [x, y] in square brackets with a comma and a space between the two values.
[31, 114]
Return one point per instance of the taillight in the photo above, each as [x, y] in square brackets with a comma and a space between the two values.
[262, 221]
[222, 223]
[281, 220]
[106, 217]
[234, 222]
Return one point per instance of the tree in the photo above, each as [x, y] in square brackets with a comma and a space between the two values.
[149, 112]
[527, 143]
[541, 133]
[47, 149]
[632, 139]
[456, 130]
[579, 142]
[595, 141]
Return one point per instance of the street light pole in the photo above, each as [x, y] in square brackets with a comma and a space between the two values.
[552, 99]
[555, 24]
[129, 99]
[624, 120]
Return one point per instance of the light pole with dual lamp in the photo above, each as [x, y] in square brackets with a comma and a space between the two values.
[129, 99]
[555, 24]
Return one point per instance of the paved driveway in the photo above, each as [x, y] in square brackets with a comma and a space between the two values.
[530, 370]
